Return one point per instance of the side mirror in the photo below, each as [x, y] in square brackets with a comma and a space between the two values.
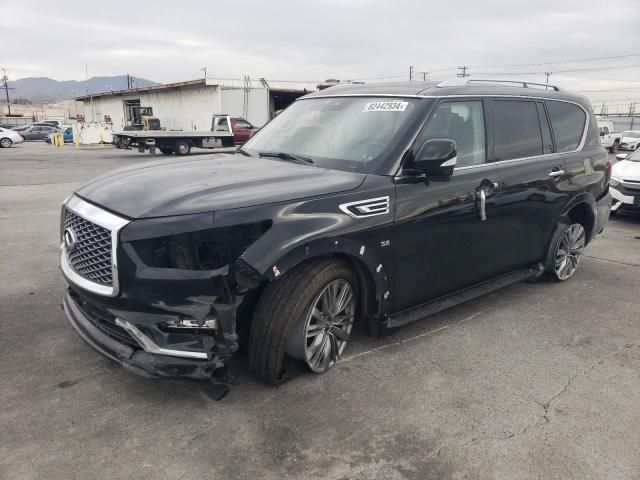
[622, 156]
[436, 158]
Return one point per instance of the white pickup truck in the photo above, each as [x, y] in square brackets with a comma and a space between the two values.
[608, 138]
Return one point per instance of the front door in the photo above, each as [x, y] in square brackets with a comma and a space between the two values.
[443, 239]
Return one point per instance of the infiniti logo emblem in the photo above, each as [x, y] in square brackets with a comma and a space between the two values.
[70, 239]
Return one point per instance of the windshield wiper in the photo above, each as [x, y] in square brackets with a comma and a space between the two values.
[287, 156]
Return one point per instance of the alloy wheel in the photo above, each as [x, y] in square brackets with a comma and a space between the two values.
[5, 143]
[326, 328]
[569, 251]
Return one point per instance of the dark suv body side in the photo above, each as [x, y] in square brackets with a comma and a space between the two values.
[254, 230]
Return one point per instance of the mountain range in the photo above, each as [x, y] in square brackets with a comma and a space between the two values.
[43, 89]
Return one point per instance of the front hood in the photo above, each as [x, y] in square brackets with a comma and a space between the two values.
[629, 140]
[627, 170]
[182, 186]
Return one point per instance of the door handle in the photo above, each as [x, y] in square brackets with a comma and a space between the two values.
[556, 173]
[482, 207]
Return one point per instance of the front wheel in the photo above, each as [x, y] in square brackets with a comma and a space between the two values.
[614, 147]
[306, 315]
[5, 142]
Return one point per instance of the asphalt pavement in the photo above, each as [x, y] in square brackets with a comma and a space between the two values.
[533, 381]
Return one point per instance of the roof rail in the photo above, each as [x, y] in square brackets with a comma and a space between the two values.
[460, 82]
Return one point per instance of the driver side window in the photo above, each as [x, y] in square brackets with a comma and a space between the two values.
[462, 122]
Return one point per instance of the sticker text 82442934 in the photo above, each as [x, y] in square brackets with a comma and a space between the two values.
[385, 106]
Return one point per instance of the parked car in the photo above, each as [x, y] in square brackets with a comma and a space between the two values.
[68, 135]
[8, 138]
[242, 129]
[37, 132]
[31, 125]
[630, 140]
[53, 123]
[379, 204]
[7, 126]
[625, 183]
[608, 137]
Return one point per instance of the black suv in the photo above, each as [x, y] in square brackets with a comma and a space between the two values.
[379, 204]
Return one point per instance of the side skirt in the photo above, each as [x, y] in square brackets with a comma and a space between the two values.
[438, 305]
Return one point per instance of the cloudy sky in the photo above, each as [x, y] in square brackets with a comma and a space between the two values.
[372, 40]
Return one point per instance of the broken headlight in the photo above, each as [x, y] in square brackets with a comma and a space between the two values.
[198, 249]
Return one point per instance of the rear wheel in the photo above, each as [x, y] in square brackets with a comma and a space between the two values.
[307, 315]
[568, 250]
[5, 142]
[181, 147]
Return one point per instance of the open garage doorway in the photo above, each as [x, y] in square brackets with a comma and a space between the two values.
[279, 99]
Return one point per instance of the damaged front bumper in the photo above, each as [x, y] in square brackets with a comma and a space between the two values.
[124, 343]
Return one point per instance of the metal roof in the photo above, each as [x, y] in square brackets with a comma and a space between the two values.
[154, 88]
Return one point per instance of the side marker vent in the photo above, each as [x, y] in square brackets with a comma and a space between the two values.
[366, 208]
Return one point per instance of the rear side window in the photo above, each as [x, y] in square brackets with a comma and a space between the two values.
[516, 129]
[567, 122]
[462, 122]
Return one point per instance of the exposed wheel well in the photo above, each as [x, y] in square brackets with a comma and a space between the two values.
[582, 214]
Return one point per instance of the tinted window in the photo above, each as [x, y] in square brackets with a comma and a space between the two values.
[242, 124]
[567, 121]
[462, 122]
[516, 130]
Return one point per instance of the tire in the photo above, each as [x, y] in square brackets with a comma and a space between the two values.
[283, 313]
[614, 147]
[181, 147]
[567, 249]
[5, 142]
[166, 150]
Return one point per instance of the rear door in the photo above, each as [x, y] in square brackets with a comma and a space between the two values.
[584, 158]
[533, 178]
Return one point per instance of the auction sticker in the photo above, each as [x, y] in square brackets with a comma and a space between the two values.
[385, 107]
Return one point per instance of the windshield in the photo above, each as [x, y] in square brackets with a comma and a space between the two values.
[631, 134]
[345, 133]
[635, 156]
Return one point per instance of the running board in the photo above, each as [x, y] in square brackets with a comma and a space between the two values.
[448, 301]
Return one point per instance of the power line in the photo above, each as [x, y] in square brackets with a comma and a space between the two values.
[609, 90]
[594, 69]
[593, 59]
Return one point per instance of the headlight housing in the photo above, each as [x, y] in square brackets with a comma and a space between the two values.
[191, 243]
[614, 182]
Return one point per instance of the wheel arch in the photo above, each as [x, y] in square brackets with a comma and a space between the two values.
[583, 211]
[372, 273]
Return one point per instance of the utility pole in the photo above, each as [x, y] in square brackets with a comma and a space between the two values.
[5, 85]
[410, 73]
[204, 69]
[632, 112]
[463, 73]
[424, 76]
[547, 74]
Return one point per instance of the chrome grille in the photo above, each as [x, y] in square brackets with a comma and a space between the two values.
[91, 255]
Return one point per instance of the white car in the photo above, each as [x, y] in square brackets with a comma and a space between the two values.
[630, 140]
[9, 137]
[625, 183]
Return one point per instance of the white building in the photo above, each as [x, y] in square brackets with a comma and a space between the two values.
[190, 105]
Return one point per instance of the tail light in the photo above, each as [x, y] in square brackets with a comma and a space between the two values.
[609, 165]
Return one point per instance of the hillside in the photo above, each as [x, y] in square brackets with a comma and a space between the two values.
[43, 89]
